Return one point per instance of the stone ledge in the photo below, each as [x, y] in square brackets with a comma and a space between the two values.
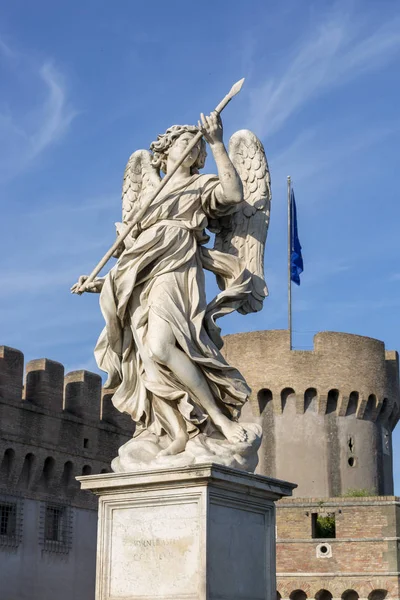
[218, 475]
[338, 501]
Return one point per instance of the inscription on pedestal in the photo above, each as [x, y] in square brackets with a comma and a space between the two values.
[147, 545]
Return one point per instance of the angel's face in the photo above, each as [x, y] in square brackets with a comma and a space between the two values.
[179, 146]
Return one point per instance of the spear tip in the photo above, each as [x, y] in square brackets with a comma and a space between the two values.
[235, 89]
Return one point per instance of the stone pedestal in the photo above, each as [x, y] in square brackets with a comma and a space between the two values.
[205, 532]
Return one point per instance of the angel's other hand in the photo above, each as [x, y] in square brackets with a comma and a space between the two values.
[94, 286]
[211, 127]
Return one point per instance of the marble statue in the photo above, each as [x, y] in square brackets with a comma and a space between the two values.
[161, 346]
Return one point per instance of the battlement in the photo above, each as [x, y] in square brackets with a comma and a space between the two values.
[344, 374]
[54, 428]
[327, 413]
[78, 393]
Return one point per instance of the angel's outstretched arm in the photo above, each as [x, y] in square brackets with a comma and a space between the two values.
[231, 184]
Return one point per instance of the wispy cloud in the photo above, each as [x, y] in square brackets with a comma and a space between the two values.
[28, 131]
[338, 51]
[309, 155]
[5, 49]
[55, 114]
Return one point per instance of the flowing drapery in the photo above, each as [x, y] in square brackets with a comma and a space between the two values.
[162, 270]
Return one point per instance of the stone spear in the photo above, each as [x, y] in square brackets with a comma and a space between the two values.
[235, 89]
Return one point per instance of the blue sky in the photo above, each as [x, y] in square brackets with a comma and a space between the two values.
[83, 84]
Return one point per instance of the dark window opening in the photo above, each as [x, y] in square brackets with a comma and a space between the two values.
[378, 595]
[298, 595]
[66, 478]
[54, 524]
[48, 469]
[286, 393]
[350, 595]
[370, 408]
[264, 396]
[323, 595]
[86, 442]
[323, 525]
[87, 470]
[350, 443]
[27, 470]
[8, 519]
[352, 461]
[7, 464]
[332, 403]
[311, 400]
[353, 404]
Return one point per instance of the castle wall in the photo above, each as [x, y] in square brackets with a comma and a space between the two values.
[47, 574]
[363, 557]
[327, 414]
[52, 429]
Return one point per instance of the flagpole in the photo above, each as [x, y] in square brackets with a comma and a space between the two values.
[289, 237]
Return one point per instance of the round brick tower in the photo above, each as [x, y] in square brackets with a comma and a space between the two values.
[327, 414]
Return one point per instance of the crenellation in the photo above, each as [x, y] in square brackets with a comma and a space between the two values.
[53, 429]
[82, 394]
[344, 391]
[11, 373]
[44, 383]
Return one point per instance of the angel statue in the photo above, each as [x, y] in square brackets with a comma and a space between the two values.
[161, 346]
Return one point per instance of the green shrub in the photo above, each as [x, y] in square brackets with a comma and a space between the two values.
[358, 493]
[325, 526]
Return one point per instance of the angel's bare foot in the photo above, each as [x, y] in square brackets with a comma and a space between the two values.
[175, 447]
[231, 430]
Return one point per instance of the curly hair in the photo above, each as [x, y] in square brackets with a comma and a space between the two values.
[165, 140]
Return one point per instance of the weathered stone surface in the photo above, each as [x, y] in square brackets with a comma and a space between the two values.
[198, 533]
[327, 413]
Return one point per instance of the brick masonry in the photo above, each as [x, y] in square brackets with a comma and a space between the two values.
[327, 416]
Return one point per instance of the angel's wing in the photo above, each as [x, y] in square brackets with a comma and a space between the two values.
[140, 179]
[244, 233]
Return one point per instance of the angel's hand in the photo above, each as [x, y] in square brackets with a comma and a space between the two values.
[93, 287]
[211, 127]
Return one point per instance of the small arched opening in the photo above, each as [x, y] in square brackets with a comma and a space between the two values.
[287, 393]
[298, 595]
[87, 470]
[350, 595]
[25, 478]
[48, 471]
[66, 477]
[353, 404]
[332, 403]
[264, 396]
[378, 595]
[370, 408]
[323, 595]
[7, 464]
[383, 414]
[104, 471]
[311, 400]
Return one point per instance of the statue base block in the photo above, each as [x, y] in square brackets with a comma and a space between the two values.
[204, 532]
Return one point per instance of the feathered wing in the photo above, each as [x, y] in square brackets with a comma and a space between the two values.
[244, 233]
[140, 179]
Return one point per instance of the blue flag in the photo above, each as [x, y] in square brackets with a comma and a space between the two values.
[296, 259]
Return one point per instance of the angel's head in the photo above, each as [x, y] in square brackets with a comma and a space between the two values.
[173, 143]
